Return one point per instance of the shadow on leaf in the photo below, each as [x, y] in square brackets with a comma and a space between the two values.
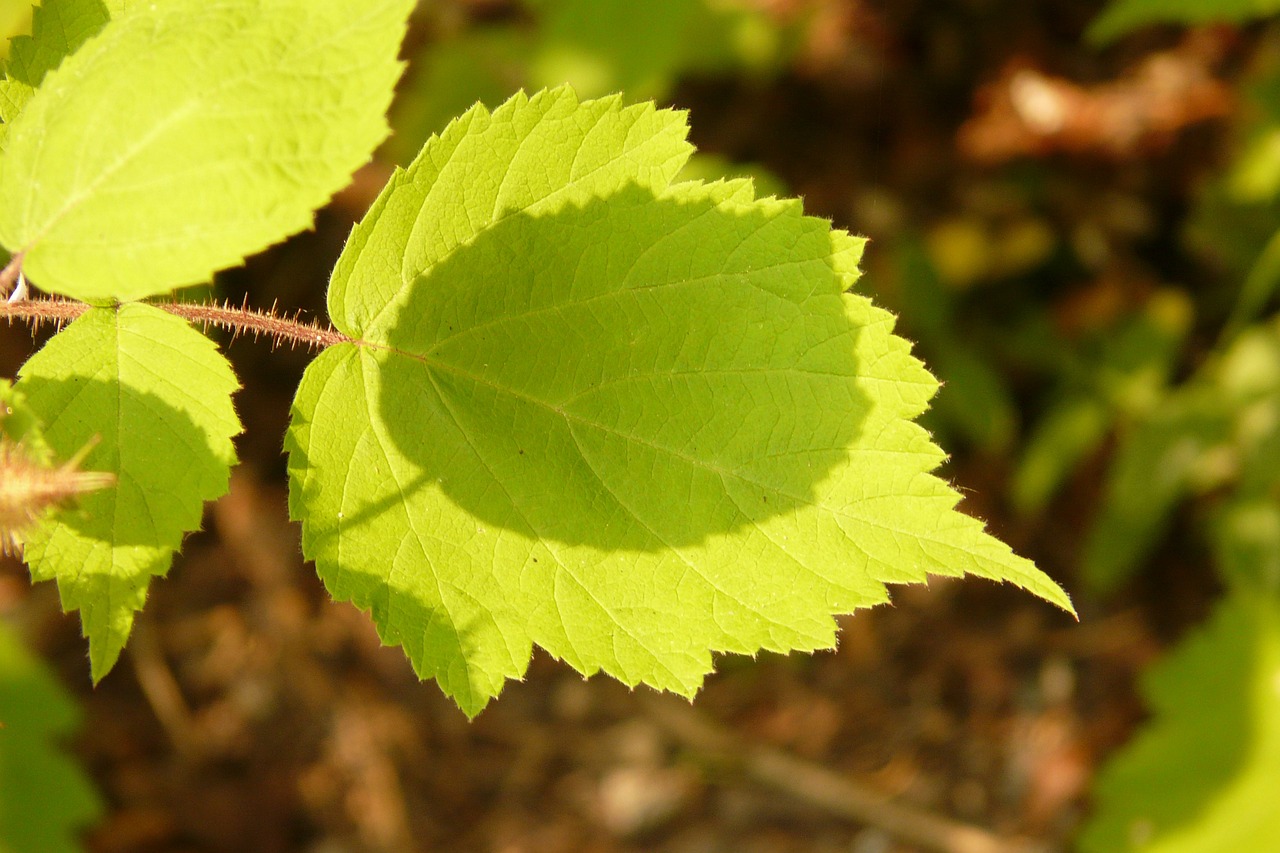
[635, 374]
[157, 453]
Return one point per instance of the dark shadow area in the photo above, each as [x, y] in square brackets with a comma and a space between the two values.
[106, 545]
[29, 62]
[637, 373]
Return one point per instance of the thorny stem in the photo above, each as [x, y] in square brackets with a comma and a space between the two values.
[238, 320]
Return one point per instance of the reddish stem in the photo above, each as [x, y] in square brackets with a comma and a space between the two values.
[238, 321]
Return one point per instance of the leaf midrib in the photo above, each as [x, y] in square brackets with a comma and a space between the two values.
[570, 417]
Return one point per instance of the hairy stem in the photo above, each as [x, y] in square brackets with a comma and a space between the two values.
[238, 320]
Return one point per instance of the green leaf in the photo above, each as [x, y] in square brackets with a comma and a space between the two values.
[603, 46]
[190, 134]
[45, 797]
[1122, 16]
[1246, 541]
[1199, 439]
[156, 396]
[1158, 464]
[58, 28]
[1072, 429]
[975, 400]
[630, 421]
[1202, 776]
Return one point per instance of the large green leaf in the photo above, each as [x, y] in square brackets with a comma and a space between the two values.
[181, 138]
[1201, 778]
[156, 396]
[1124, 15]
[45, 798]
[630, 421]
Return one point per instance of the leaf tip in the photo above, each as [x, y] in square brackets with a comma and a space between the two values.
[103, 655]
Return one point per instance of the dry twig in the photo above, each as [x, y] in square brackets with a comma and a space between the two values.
[827, 790]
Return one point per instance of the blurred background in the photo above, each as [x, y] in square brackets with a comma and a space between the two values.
[1074, 209]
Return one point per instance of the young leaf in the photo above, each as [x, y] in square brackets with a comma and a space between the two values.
[1202, 776]
[58, 28]
[630, 421]
[156, 397]
[1123, 16]
[174, 143]
[45, 798]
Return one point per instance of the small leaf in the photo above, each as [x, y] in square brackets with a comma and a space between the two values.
[1202, 775]
[189, 134]
[630, 421]
[1123, 16]
[156, 396]
[1246, 540]
[46, 800]
[1069, 431]
[527, 156]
